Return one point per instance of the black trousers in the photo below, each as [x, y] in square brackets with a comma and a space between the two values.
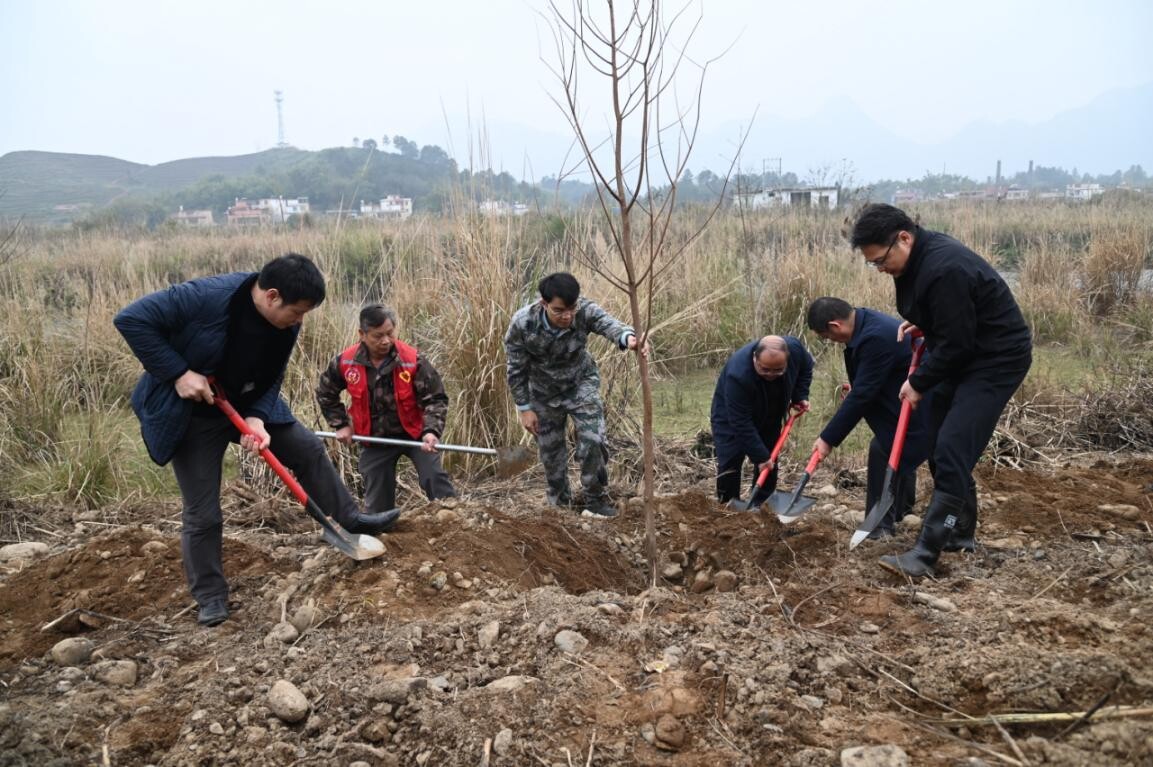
[730, 465]
[963, 415]
[378, 468]
[197, 465]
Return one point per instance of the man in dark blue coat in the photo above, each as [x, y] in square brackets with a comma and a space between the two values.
[979, 350]
[756, 389]
[877, 365]
[241, 329]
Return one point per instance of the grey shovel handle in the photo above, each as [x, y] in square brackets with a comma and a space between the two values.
[411, 443]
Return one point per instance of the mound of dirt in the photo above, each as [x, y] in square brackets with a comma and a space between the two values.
[509, 634]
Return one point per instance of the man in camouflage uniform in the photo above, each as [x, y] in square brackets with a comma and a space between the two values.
[395, 393]
[553, 377]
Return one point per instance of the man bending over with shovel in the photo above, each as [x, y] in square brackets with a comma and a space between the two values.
[978, 352]
[877, 365]
[395, 393]
[240, 328]
[552, 378]
[756, 389]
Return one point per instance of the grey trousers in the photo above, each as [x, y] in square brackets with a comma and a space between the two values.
[197, 465]
[378, 469]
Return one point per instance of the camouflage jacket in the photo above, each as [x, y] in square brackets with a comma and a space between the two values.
[427, 384]
[550, 366]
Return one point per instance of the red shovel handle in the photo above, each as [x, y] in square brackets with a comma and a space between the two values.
[906, 406]
[773, 456]
[243, 427]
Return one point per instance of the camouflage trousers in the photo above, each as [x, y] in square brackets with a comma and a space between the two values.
[591, 451]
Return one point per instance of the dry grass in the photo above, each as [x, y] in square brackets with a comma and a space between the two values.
[455, 281]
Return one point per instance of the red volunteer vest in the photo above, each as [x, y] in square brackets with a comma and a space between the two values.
[356, 381]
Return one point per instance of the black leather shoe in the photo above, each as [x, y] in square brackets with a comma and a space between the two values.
[213, 613]
[602, 509]
[374, 524]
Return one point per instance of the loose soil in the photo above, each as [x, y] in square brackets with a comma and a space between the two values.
[814, 648]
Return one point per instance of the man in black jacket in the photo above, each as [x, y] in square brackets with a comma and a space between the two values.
[759, 384]
[978, 352]
[877, 365]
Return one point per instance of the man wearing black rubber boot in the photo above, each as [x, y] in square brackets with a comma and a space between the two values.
[978, 352]
[240, 328]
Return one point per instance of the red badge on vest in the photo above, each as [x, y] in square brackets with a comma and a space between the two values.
[405, 376]
[352, 375]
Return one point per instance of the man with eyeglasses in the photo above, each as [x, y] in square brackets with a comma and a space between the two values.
[553, 378]
[757, 387]
[877, 365]
[978, 350]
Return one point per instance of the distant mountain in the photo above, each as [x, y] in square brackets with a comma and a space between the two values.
[53, 187]
[1109, 134]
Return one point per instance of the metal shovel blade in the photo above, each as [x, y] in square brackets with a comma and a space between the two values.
[874, 517]
[789, 507]
[511, 461]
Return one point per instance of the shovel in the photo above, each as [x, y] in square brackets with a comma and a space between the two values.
[354, 546]
[739, 505]
[881, 508]
[510, 461]
[791, 506]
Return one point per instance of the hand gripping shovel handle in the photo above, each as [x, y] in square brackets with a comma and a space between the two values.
[335, 536]
[877, 513]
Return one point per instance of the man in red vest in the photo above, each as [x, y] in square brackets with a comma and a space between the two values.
[394, 393]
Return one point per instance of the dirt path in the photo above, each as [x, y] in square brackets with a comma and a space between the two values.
[765, 645]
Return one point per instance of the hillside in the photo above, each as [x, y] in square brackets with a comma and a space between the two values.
[54, 187]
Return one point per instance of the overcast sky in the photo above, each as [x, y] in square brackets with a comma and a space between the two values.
[158, 80]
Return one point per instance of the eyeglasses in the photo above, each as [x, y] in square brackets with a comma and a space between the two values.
[877, 263]
[555, 312]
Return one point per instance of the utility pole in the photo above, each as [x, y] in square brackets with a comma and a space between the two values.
[280, 142]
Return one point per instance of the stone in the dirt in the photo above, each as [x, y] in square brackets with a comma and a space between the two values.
[610, 608]
[911, 522]
[282, 633]
[678, 701]
[376, 731]
[287, 702]
[570, 641]
[503, 741]
[649, 733]
[447, 517]
[702, 582]
[937, 603]
[812, 702]
[154, 549]
[216, 728]
[396, 690]
[725, 580]
[834, 664]
[26, 550]
[670, 732]
[255, 735]
[887, 755]
[120, 673]
[439, 580]
[488, 634]
[305, 617]
[509, 683]
[672, 572]
[828, 491]
[72, 651]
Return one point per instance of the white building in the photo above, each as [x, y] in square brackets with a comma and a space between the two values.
[825, 197]
[279, 209]
[1016, 193]
[1083, 192]
[502, 208]
[393, 206]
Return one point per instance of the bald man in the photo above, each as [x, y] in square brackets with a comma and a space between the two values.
[755, 391]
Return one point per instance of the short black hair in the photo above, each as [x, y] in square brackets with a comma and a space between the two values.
[375, 315]
[560, 285]
[826, 309]
[295, 277]
[878, 224]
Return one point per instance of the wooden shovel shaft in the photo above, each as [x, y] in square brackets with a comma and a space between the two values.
[411, 443]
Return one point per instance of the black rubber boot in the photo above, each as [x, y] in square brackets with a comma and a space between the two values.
[940, 519]
[964, 534]
[373, 524]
